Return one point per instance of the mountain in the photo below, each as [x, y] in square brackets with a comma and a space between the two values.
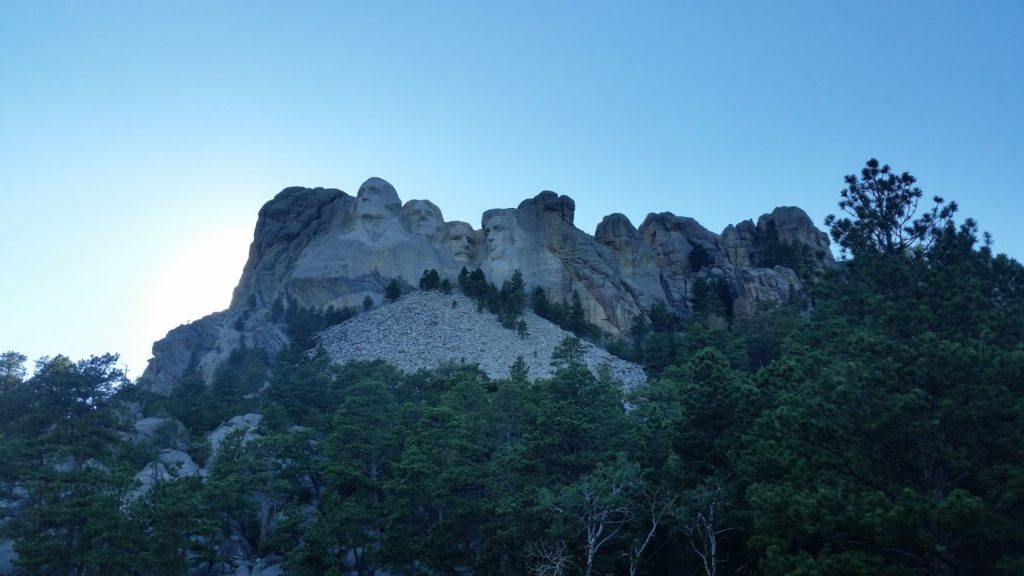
[320, 248]
[878, 431]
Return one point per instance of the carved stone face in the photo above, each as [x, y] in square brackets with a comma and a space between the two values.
[459, 241]
[376, 203]
[499, 233]
[422, 217]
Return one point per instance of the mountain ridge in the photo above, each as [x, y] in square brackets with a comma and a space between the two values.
[321, 247]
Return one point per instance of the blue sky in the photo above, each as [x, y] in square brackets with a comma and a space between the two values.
[138, 140]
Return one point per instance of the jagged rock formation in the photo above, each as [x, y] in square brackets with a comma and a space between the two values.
[787, 228]
[322, 247]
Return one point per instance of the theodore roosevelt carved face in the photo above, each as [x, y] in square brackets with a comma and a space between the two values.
[459, 241]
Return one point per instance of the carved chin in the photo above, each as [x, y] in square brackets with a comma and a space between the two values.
[374, 227]
[431, 232]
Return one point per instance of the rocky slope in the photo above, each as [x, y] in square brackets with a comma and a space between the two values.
[322, 247]
[426, 329]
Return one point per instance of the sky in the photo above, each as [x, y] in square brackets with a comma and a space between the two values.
[138, 139]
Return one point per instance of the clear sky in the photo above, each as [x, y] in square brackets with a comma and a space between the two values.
[138, 139]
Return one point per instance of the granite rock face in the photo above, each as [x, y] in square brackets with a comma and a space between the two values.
[786, 229]
[285, 226]
[322, 247]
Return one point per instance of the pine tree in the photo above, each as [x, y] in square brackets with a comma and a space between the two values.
[66, 447]
[430, 280]
[521, 328]
[881, 208]
[539, 303]
[577, 318]
[393, 291]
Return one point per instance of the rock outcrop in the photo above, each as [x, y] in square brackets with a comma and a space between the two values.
[321, 247]
[786, 236]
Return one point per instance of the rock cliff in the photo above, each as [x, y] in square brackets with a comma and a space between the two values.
[321, 247]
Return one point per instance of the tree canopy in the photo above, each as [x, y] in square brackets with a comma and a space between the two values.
[882, 213]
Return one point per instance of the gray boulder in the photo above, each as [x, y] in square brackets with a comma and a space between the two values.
[169, 465]
[178, 463]
[247, 423]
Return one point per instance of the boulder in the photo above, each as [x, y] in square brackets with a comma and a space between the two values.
[177, 463]
[157, 429]
[150, 475]
[248, 423]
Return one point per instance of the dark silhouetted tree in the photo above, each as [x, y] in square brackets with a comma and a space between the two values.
[393, 291]
[430, 280]
[539, 303]
[882, 208]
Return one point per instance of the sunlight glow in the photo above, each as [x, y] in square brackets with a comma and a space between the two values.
[197, 281]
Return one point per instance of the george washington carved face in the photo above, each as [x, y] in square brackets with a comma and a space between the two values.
[376, 204]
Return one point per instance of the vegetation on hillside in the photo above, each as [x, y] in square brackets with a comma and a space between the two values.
[882, 433]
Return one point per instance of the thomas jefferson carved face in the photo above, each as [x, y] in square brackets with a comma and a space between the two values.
[424, 218]
[459, 241]
[376, 204]
[499, 233]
